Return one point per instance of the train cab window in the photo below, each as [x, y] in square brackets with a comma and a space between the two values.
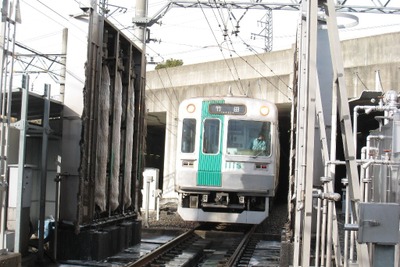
[211, 136]
[249, 138]
[188, 135]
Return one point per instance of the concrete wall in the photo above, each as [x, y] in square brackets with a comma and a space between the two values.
[268, 76]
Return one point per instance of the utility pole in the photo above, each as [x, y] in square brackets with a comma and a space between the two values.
[141, 23]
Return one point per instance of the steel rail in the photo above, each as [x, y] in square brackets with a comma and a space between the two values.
[240, 248]
[148, 258]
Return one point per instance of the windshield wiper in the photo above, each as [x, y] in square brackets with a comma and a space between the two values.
[258, 154]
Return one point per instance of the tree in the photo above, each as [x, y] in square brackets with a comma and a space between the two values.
[169, 63]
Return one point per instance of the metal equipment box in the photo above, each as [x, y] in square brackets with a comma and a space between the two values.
[379, 223]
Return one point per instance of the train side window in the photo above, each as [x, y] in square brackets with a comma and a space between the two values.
[211, 136]
[188, 135]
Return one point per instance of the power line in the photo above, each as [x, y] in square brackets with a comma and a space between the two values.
[229, 44]
[226, 36]
[276, 87]
[220, 47]
[272, 71]
[173, 89]
[166, 91]
[52, 11]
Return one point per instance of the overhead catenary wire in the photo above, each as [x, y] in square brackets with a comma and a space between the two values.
[230, 49]
[161, 103]
[165, 89]
[150, 90]
[172, 86]
[272, 71]
[257, 55]
[64, 23]
[229, 44]
[52, 11]
[236, 33]
[233, 50]
[220, 47]
[127, 29]
[44, 36]
[276, 87]
[265, 78]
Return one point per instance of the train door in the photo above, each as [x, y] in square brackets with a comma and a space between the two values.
[210, 154]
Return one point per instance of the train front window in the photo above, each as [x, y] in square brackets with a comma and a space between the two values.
[188, 135]
[211, 136]
[249, 138]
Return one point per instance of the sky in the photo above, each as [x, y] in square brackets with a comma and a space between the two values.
[196, 34]
[193, 35]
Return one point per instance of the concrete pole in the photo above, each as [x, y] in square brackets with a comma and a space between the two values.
[140, 29]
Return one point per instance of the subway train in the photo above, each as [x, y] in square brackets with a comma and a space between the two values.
[227, 159]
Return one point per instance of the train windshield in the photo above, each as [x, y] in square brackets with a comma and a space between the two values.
[249, 138]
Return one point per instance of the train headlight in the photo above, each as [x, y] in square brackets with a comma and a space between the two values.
[264, 110]
[204, 198]
[191, 108]
[241, 199]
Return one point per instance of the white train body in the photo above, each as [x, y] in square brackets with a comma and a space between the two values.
[220, 177]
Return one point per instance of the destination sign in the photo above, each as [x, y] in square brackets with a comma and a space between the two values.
[227, 109]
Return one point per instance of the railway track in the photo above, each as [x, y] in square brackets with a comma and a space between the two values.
[169, 250]
[231, 246]
[204, 245]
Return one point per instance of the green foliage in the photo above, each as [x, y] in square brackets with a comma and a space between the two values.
[169, 63]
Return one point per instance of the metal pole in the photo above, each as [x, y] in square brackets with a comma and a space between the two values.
[300, 119]
[140, 30]
[57, 216]
[329, 234]
[43, 170]
[318, 232]
[346, 221]
[22, 125]
[384, 255]
[345, 119]
[323, 232]
[63, 62]
[4, 35]
[310, 92]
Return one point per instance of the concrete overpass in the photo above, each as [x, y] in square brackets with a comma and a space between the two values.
[267, 76]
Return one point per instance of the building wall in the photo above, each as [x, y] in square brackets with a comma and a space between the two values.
[268, 76]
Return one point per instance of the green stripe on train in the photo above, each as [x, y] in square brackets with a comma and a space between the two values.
[209, 172]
